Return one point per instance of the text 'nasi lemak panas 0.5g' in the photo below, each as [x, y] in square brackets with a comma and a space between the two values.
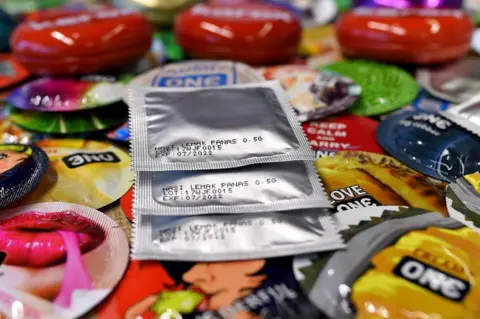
[61, 260]
[342, 133]
[238, 125]
[431, 144]
[250, 189]
[81, 42]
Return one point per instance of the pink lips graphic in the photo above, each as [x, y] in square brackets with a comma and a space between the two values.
[33, 239]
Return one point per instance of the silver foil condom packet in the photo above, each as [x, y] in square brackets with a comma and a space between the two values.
[214, 128]
[466, 114]
[248, 189]
[233, 237]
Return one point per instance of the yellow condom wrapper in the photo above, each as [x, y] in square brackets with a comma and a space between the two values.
[89, 173]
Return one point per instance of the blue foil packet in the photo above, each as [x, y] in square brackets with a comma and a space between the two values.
[431, 144]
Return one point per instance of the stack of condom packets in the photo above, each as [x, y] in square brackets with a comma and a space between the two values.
[224, 173]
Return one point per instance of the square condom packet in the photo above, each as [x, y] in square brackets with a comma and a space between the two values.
[234, 237]
[214, 128]
[248, 189]
[466, 114]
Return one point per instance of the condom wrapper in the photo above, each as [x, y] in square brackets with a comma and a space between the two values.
[52, 267]
[251, 189]
[10, 133]
[463, 200]
[64, 95]
[426, 101]
[126, 203]
[21, 169]
[253, 44]
[89, 173]
[431, 144]
[222, 127]
[342, 133]
[427, 264]
[69, 122]
[233, 237]
[121, 134]
[466, 114]
[11, 72]
[361, 179]
[313, 94]
[152, 289]
[320, 45]
[385, 88]
[456, 82]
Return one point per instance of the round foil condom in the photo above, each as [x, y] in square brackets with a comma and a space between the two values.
[61, 259]
[11, 72]
[394, 256]
[126, 203]
[89, 173]
[64, 95]
[21, 169]
[313, 94]
[431, 144]
[385, 88]
[70, 122]
[428, 102]
[361, 179]
[342, 133]
[262, 287]
[456, 82]
[463, 200]
[10, 133]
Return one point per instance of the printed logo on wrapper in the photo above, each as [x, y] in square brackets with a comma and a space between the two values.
[314, 94]
[238, 125]
[251, 189]
[408, 248]
[263, 287]
[430, 144]
[463, 200]
[233, 237]
[72, 264]
[90, 173]
[360, 179]
[342, 133]
[21, 169]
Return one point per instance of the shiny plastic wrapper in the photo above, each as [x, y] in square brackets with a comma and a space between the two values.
[233, 237]
[249, 189]
[399, 263]
[466, 114]
[463, 200]
[214, 128]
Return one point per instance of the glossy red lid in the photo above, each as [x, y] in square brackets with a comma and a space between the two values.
[425, 26]
[82, 33]
[419, 36]
[222, 30]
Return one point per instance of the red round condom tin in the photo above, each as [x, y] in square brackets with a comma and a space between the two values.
[254, 33]
[79, 42]
[342, 133]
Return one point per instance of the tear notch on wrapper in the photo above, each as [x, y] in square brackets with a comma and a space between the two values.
[466, 114]
[233, 237]
[250, 189]
[214, 128]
